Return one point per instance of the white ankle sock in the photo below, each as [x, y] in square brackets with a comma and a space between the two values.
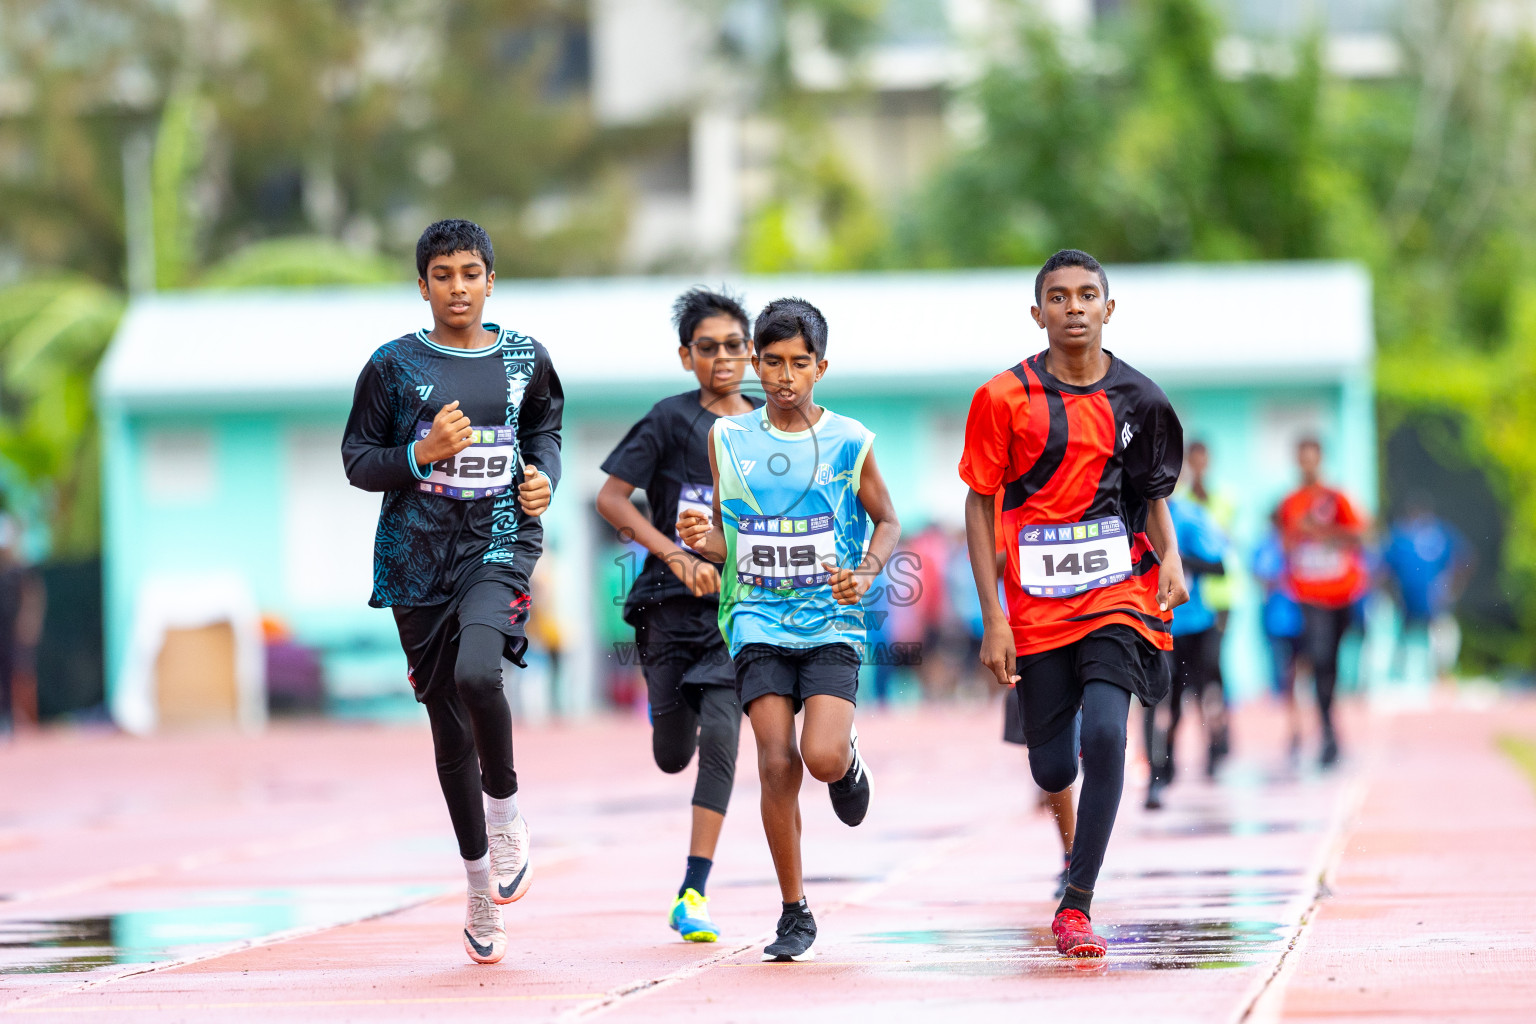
[500, 811]
[479, 872]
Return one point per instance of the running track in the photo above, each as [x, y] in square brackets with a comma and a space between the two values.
[308, 874]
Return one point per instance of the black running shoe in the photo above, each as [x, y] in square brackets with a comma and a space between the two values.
[850, 794]
[1216, 752]
[796, 932]
[1154, 797]
[1330, 753]
[1061, 879]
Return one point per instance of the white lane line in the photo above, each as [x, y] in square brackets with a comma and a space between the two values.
[1265, 998]
[621, 995]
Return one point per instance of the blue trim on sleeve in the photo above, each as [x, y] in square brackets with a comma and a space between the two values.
[416, 471]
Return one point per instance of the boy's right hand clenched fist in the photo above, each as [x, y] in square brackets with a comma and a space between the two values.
[693, 526]
[450, 434]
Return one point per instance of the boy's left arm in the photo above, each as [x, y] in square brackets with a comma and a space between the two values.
[538, 437]
[850, 585]
[1171, 589]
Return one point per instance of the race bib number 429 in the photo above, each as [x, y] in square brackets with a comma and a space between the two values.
[1060, 561]
[784, 552]
[482, 469]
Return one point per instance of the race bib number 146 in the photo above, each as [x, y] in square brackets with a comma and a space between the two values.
[1061, 561]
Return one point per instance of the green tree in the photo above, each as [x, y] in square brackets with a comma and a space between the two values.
[53, 331]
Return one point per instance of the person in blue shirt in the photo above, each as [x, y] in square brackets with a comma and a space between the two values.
[801, 524]
[1283, 625]
[1428, 563]
[1196, 652]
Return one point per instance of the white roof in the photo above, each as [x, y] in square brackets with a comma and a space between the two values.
[903, 331]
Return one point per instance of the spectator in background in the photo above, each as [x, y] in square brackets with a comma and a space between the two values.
[935, 622]
[1282, 625]
[1216, 590]
[23, 602]
[1325, 568]
[1428, 563]
[1196, 653]
[968, 626]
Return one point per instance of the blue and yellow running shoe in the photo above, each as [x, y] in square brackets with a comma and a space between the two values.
[690, 918]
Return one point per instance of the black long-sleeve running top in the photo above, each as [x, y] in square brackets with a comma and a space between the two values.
[450, 524]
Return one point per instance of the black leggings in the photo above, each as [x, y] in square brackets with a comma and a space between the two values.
[1196, 665]
[1054, 766]
[714, 731]
[472, 736]
[1322, 631]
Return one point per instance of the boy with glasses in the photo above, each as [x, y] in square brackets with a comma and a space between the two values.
[674, 603]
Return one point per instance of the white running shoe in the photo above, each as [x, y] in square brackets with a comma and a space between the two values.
[511, 873]
[485, 937]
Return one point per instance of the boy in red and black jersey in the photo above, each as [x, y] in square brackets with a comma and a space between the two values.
[1073, 454]
[1325, 568]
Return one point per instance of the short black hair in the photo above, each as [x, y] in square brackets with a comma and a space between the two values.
[1070, 258]
[446, 237]
[1196, 445]
[698, 304]
[783, 319]
[1309, 441]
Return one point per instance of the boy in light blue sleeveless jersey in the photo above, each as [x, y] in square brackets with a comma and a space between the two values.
[796, 490]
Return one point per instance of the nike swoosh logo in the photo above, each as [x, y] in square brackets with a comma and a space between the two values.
[505, 891]
[479, 949]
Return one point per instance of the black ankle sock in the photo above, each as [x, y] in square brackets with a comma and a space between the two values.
[1076, 899]
[697, 874]
[800, 906]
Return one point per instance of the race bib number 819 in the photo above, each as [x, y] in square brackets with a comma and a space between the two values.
[1061, 561]
[785, 552]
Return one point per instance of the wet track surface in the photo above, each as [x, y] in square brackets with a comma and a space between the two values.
[309, 874]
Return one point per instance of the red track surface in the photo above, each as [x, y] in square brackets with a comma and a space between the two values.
[309, 874]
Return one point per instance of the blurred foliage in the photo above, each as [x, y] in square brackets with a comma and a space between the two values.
[53, 331]
[299, 262]
[818, 216]
[272, 118]
[291, 142]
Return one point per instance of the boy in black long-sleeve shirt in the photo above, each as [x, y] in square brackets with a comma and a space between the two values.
[460, 428]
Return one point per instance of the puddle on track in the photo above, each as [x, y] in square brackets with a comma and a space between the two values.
[1219, 827]
[1165, 945]
[217, 917]
[1210, 873]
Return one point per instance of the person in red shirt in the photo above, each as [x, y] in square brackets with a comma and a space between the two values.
[1072, 453]
[1325, 568]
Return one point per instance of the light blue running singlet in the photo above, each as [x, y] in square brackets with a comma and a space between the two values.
[789, 503]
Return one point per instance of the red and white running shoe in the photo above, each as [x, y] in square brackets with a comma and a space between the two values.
[1074, 935]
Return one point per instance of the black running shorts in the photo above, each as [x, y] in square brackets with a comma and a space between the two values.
[430, 633]
[680, 650]
[796, 673]
[1050, 687]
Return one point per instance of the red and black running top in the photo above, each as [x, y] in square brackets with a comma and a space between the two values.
[1062, 454]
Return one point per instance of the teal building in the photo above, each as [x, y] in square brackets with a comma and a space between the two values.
[221, 417]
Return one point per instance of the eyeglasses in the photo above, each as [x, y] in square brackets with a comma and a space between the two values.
[707, 348]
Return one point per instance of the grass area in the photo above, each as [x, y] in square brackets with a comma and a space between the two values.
[1523, 750]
